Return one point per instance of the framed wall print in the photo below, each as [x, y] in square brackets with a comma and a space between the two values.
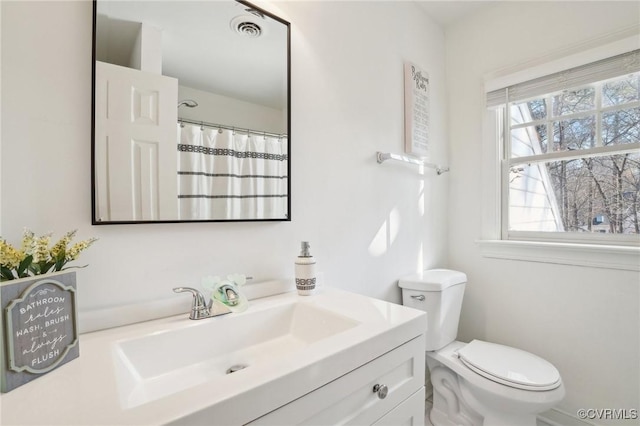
[416, 110]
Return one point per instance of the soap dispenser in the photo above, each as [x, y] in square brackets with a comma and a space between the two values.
[305, 271]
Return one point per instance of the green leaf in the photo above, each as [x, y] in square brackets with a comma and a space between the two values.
[74, 267]
[24, 265]
[62, 254]
[44, 267]
[59, 263]
[6, 273]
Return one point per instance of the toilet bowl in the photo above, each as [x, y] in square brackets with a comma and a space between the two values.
[476, 383]
[504, 396]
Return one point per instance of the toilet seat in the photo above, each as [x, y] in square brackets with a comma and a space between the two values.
[509, 366]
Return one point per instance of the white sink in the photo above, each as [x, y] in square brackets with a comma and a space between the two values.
[159, 364]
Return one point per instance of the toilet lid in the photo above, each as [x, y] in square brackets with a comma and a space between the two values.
[509, 366]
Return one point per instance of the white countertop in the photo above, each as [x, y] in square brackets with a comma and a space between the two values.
[86, 391]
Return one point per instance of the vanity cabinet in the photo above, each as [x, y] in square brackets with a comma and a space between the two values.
[351, 399]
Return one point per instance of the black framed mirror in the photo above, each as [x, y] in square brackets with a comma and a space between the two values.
[191, 112]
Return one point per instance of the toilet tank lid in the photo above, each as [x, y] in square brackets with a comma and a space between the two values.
[433, 280]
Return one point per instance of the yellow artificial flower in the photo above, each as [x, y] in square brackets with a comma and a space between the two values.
[11, 257]
[60, 248]
[78, 248]
[41, 253]
[36, 257]
[28, 242]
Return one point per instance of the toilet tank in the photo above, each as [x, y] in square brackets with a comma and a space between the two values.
[439, 293]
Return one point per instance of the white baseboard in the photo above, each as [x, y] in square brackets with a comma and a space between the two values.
[550, 418]
[556, 417]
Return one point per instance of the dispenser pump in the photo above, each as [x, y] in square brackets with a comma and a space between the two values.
[304, 249]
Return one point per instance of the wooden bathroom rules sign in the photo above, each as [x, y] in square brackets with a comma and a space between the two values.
[416, 110]
[39, 326]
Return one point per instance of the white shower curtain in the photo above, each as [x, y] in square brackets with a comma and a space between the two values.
[225, 175]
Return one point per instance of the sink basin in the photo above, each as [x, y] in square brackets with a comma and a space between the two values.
[158, 364]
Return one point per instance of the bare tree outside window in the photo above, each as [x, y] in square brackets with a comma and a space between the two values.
[593, 189]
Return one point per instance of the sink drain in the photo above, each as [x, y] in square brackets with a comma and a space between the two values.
[235, 368]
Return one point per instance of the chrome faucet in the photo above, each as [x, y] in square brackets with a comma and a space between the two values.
[200, 309]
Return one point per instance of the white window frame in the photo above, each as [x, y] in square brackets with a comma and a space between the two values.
[560, 248]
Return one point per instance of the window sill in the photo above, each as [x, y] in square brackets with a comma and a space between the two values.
[594, 256]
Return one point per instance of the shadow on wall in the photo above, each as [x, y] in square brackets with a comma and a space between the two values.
[473, 316]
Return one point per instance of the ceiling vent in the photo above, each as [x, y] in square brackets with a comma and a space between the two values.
[246, 26]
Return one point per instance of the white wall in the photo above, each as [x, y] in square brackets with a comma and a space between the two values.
[584, 320]
[219, 109]
[368, 224]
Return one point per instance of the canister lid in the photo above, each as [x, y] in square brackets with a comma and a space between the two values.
[433, 280]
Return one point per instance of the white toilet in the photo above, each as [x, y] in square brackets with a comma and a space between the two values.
[476, 383]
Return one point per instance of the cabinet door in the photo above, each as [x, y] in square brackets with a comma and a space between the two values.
[409, 413]
[350, 399]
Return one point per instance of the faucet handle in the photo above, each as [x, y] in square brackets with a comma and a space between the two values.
[198, 298]
[200, 308]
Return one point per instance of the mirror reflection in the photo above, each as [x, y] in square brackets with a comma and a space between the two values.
[191, 112]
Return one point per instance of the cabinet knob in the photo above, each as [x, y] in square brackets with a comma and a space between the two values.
[381, 390]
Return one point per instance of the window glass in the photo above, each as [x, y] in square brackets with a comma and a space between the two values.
[620, 127]
[574, 101]
[597, 194]
[525, 112]
[578, 133]
[621, 91]
[528, 140]
[574, 160]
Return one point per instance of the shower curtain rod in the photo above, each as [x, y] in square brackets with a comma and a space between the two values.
[233, 129]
